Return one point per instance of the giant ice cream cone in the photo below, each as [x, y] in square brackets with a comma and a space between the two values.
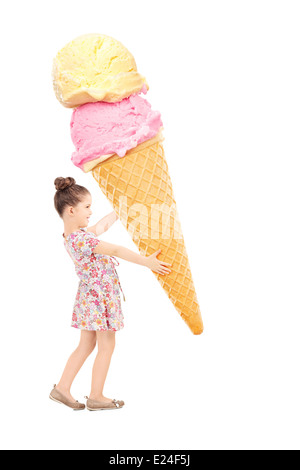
[118, 137]
[140, 183]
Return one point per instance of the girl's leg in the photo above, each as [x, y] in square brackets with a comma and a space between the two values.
[106, 345]
[86, 346]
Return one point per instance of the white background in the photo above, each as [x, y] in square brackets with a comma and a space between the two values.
[225, 76]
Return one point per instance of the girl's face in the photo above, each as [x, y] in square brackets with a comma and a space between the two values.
[82, 212]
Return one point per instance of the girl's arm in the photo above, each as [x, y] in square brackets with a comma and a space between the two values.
[104, 224]
[150, 262]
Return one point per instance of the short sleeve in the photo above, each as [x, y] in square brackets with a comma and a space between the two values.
[85, 243]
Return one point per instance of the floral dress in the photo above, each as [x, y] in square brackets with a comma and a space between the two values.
[98, 301]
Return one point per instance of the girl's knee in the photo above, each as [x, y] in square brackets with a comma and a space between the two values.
[106, 341]
[107, 346]
[88, 341]
[93, 343]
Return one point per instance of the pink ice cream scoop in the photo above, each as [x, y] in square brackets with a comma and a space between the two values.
[106, 128]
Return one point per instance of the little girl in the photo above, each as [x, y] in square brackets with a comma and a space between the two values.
[97, 310]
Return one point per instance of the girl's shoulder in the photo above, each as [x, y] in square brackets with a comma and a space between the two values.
[82, 233]
[73, 236]
[83, 241]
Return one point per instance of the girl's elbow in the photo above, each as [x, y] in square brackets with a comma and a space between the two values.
[115, 251]
[112, 251]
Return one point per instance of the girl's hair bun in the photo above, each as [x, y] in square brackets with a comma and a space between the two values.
[64, 183]
[68, 193]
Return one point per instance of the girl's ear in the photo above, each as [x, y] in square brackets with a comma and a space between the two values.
[70, 210]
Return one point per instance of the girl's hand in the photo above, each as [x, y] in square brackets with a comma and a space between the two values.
[157, 266]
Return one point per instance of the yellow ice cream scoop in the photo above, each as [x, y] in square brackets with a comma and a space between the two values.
[95, 67]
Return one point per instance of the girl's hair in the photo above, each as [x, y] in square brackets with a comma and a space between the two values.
[68, 193]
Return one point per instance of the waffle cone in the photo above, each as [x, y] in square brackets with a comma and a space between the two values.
[140, 189]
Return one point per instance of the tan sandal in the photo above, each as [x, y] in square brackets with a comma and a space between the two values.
[94, 405]
[58, 397]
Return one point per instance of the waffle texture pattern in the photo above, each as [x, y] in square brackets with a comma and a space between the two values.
[140, 189]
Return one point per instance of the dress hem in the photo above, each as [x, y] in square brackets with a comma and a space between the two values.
[97, 329]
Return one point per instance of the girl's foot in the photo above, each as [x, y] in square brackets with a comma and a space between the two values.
[65, 393]
[57, 396]
[101, 398]
[96, 405]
